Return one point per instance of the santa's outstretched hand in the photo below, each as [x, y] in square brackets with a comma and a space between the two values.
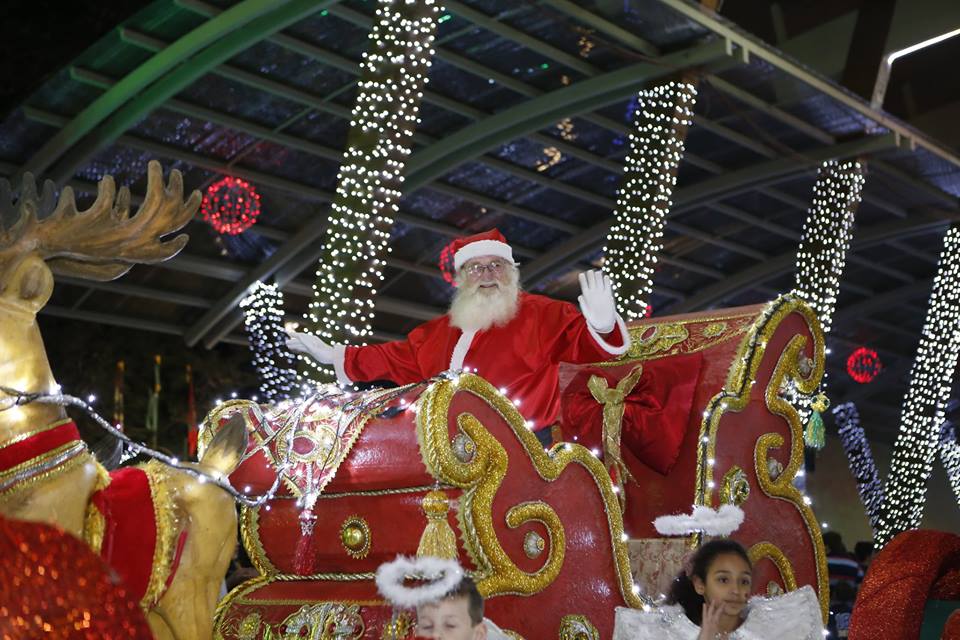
[596, 301]
[310, 345]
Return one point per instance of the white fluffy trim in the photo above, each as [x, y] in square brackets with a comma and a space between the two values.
[721, 522]
[339, 356]
[439, 576]
[482, 248]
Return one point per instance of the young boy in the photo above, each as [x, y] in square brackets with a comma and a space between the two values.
[458, 616]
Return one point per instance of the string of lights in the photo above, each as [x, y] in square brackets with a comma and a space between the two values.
[950, 456]
[263, 319]
[860, 458]
[661, 120]
[931, 378]
[826, 236]
[394, 71]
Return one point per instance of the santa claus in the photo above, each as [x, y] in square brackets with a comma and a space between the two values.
[515, 340]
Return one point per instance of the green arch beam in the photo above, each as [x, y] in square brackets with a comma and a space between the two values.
[163, 75]
[547, 109]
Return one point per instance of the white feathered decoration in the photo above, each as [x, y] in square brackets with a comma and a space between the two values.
[721, 522]
[439, 576]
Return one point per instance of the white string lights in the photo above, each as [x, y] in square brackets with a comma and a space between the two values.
[263, 319]
[650, 175]
[860, 457]
[385, 115]
[931, 378]
[950, 456]
[826, 236]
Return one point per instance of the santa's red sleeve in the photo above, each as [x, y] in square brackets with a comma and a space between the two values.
[569, 338]
[395, 361]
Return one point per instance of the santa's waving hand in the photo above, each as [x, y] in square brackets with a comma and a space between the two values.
[596, 301]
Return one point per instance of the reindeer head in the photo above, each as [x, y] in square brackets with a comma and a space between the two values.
[101, 243]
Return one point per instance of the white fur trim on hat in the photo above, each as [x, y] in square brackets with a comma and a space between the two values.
[482, 248]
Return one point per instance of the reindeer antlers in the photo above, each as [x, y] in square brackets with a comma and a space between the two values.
[103, 242]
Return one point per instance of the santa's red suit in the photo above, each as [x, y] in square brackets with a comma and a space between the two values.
[521, 357]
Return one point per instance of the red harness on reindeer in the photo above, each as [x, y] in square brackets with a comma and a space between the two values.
[130, 522]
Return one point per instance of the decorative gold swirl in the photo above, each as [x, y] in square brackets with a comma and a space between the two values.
[773, 553]
[481, 477]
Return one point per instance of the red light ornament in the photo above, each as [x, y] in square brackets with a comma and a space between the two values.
[863, 365]
[230, 206]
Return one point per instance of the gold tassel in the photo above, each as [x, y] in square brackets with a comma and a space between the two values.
[438, 539]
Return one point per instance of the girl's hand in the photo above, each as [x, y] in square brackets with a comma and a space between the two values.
[710, 624]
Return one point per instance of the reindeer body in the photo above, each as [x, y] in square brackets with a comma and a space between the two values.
[195, 532]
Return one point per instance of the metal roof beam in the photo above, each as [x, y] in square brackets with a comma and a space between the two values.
[163, 75]
[126, 322]
[784, 263]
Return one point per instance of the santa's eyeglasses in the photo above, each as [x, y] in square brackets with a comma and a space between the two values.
[495, 267]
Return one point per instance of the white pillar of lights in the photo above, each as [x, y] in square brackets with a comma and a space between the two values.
[931, 379]
[393, 73]
[860, 457]
[263, 319]
[826, 236]
[950, 455]
[661, 120]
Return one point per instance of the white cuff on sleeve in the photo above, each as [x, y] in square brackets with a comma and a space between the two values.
[606, 346]
[339, 354]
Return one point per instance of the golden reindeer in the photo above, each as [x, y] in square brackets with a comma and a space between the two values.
[47, 473]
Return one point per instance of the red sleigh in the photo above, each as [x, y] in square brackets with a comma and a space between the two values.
[543, 532]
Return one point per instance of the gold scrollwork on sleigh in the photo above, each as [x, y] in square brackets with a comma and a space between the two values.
[481, 477]
[735, 396]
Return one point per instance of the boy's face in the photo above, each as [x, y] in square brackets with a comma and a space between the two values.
[448, 620]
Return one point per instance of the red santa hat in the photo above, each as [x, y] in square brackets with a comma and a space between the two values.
[488, 243]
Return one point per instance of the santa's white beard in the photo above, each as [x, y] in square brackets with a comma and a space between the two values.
[475, 308]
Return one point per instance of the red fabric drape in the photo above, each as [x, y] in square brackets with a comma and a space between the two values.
[656, 413]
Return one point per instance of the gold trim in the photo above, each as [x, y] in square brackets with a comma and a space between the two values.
[360, 548]
[82, 456]
[736, 394]
[481, 478]
[41, 459]
[20, 437]
[577, 627]
[772, 552]
[250, 537]
[168, 530]
[94, 526]
[640, 350]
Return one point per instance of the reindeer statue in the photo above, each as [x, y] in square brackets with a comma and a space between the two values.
[168, 534]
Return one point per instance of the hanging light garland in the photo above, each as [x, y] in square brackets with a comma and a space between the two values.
[931, 379]
[230, 205]
[394, 71]
[661, 119]
[263, 319]
[864, 365]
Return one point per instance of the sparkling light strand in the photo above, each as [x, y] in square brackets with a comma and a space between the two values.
[385, 115]
[263, 319]
[826, 236]
[861, 462]
[931, 378]
[950, 456]
[649, 177]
